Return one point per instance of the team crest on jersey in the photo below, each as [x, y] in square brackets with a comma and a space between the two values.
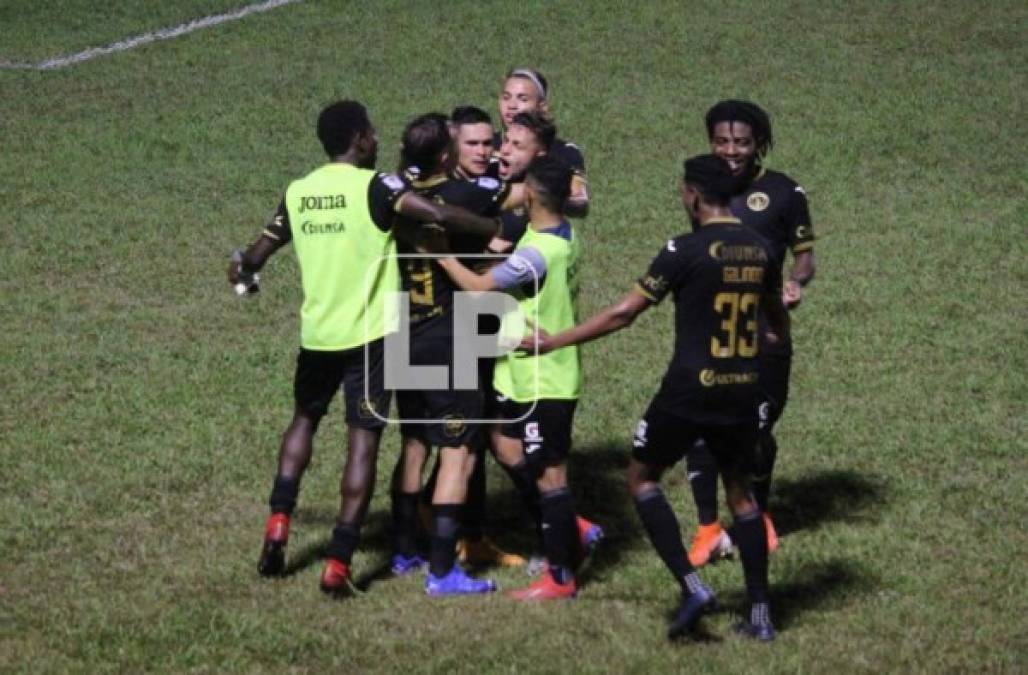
[758, 201]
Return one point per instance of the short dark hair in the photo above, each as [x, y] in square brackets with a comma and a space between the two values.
[533, 76]
[424, 140]
[712, 177]
[552, 178]
[339, 124]
[469, 114]
[732, 110]
[539, 125]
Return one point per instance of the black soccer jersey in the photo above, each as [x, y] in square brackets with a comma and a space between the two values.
[776, 207]
[430, 288]
[717, 276]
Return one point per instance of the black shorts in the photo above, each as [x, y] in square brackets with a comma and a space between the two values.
[662, 439]
[451, 407]
[774, 387]
[545, 431]
[359, 370]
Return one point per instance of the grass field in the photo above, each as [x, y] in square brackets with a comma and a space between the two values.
[142, 402]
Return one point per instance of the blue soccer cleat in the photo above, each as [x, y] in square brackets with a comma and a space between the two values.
[589, 534]
[694, 605]
[402, 565]
[457, 582]
[758, 627]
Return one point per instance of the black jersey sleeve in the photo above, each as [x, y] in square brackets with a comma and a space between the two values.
[571, 155]
[665, 272]
[278, 229]
[384, 194]
[801, 233]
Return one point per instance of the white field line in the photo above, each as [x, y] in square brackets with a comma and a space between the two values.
[147, 38]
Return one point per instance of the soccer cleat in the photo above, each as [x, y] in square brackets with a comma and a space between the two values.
[705, 544]
[402, 565]
[335, 578]
[546, 588]
[772, 536]
[694, 605]
[764, 632]
[457, 582]
[589, 534]
[273, 553]
[537, 564]
[485, 552]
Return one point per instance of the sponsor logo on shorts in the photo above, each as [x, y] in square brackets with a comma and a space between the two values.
[454, 425]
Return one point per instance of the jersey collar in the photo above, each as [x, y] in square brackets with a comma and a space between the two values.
[731, 220]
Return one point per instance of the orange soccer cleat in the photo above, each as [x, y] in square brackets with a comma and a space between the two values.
[707, 543]
[546, 588]
[772, 536]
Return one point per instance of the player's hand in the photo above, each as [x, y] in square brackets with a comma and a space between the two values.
[792, 294]
[537, 341]
[235, 270]
[432, 239]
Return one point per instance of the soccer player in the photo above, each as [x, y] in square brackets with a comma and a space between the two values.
[724, 280]
[541, 275]
[425, 152]
[525, 91]
[776, 207]
[340, 219]
[473, 137]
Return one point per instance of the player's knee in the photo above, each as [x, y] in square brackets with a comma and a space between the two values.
[641, 477]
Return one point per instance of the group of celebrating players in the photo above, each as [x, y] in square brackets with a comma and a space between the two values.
[464, 190]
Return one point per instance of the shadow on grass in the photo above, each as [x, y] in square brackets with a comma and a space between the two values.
[821, 585]
[808, 501]
[374, 539]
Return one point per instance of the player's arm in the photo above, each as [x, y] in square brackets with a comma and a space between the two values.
[801, 240]
[608, 320]
[275, 235]
[515, 196]
[777, 316]
[525, 266]
[577, 205]
[454, 219]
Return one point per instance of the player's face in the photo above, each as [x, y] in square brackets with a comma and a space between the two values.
[733, 142]
[474, 147]
[518, 95]
[368, 144]
[520, 147]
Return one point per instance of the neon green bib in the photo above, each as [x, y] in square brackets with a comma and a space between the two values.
[557, 375]
[347, 264]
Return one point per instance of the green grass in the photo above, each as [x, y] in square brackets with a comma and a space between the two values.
[142, 403]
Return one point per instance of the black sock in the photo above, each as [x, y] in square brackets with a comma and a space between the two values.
[283, 495]
[767, 452]
[703, 480]
[474, 505]
[662, 528]
[750, 536]
[560, 533]
[524, 482]
[344, 542]
[405, 522]
[444, 538]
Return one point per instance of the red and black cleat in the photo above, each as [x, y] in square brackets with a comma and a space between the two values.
[335, 579]
[273, 553]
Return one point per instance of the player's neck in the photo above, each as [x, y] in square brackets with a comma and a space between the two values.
[714, 214]
[542, 219]
[345, 158]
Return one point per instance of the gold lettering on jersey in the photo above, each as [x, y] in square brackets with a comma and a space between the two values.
[723, 252]
[712, 378]
[742, 275]
[758, 201]
[322, 202]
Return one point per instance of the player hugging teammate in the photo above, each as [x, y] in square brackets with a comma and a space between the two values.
[725, 386]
